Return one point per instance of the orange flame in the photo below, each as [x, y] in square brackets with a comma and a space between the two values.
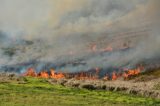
[128, 73]
[82, 75]
[56, 76]
[30, 72]
[43, 74]
[131, 73]
[114, 76]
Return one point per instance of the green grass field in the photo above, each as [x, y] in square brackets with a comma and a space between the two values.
[38, 92]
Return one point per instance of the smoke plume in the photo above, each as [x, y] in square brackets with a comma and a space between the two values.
[61, 33]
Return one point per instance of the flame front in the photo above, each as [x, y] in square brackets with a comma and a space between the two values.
[83, 75]
[30, 72]
[56, 76]
[43, 74]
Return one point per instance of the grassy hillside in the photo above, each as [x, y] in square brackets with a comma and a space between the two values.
[38, 92]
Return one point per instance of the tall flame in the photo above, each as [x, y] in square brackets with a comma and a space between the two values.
[43, 74]
[30, 72]
[56, 76]
[114, 76]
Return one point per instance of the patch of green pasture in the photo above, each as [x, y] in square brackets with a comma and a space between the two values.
[38, 92]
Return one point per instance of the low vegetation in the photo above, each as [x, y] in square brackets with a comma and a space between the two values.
[148, 75]
[157, 86]
[38, 92]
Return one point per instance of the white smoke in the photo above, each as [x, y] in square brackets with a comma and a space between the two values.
[58, 28]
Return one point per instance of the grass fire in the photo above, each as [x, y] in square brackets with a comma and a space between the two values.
[89, 75]
[79, 53]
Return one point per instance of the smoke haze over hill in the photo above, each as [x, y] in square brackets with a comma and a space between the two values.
[61, 31]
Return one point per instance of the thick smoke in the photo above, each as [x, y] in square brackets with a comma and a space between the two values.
[61, 32]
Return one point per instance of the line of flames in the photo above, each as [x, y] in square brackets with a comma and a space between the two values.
[82, 75]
